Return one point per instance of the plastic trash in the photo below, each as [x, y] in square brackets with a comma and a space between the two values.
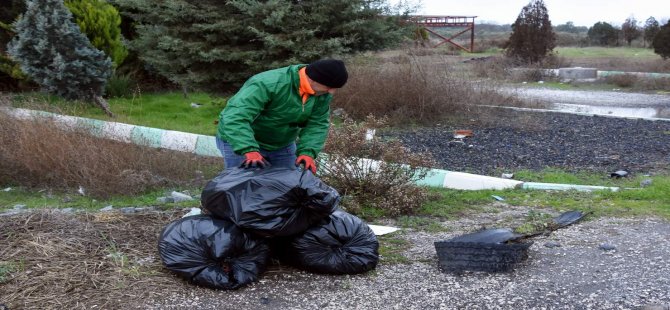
[271, 202]
[342, 244]
[567, 218]
[192, 212]
[619, 174]
[212, 252]
[488, 250]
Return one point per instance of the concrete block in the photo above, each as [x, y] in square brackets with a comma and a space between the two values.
[577, 73]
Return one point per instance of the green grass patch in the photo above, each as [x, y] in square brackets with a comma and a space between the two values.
[7, 268]
[596, 52]
[168, 110]
[426, 224]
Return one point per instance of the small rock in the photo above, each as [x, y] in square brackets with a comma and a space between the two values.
[107, 208]
[607, 247]
[645, 182]
[165, 199]
[128, 210]
[67, 210]
[552, 244]
[179, 197]
[67, 199]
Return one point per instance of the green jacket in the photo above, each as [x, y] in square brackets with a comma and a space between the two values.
[267, 112]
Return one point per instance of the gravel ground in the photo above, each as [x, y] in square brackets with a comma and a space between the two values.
[608, 98]
[531, 140]
[576, 275]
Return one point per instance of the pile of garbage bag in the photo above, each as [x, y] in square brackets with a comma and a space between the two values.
[255, 214]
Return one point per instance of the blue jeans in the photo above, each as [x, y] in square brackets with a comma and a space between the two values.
[284, 157]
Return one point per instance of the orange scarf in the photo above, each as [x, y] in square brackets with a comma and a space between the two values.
[305, 89]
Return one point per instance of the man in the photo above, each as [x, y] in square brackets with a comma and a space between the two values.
[263, 120]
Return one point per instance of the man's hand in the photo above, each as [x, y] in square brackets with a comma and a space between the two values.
[307, 161]
[254, 159]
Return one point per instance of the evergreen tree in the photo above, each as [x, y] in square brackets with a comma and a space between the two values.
[101, 23]
[630, 30]
[661, 42]
[603, 34]
[212, 44]
[532, 37]
[10, 72]
[56, 55]
[651, 28]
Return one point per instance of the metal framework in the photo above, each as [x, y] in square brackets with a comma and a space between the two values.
[468, 22]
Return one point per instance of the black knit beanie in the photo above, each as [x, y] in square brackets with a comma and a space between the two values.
[329, 72]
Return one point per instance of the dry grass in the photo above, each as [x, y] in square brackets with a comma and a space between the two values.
[38, 154]
[409, 89]
[622, 64]
[86, 261]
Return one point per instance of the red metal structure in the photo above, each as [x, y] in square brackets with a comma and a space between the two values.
[468, 22]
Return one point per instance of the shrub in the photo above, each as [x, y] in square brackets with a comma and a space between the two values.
[386, 184]
[56, 55]
[101, 23]
[621, 80]
[120, 86]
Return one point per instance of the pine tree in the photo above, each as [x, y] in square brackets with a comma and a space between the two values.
[532, 37]
[603, 34]
[212, 44]
[57, 56]
[661, 41]
[101, 23]
[651, 28]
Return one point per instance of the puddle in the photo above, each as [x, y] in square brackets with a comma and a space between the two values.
[645, 112]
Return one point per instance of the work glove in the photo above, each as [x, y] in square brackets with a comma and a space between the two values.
[307, 161]
[253, 160]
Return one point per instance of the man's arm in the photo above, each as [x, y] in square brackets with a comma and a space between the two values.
[313, 135]
[241, 110]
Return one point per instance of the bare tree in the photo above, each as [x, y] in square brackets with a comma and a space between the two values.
[630, 30]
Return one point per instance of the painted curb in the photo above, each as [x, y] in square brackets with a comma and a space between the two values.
[206, 146]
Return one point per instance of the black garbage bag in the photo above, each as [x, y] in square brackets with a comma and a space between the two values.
[341, 244]
[212, 252]
[270, 202]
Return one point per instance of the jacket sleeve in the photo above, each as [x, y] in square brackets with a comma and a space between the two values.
[240, 111]
[313, 136]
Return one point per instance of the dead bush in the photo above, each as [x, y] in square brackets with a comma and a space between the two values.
[645, 83]
[621, 80]
[39, 154]
[409, 91]
[387, 183]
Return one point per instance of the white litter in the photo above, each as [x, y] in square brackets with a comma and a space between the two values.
[382, 230]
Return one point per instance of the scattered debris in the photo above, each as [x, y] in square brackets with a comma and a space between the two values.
[107, 208]
[463, 132]
[645, 182]
[7, 189]
[507, 175]
[81, 191]
[498, 198]
[193, 211]
[19, 207]
[382, 230]
[552, 244]
[195, 105]
[607, 247]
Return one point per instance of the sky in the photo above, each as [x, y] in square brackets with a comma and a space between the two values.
[580, 12]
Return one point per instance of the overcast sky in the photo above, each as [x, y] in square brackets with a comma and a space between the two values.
[580, 12]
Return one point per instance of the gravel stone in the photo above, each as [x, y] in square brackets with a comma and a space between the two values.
[571, 142]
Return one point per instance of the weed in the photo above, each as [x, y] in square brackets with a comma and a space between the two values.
[6, 270]
[390, 250]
